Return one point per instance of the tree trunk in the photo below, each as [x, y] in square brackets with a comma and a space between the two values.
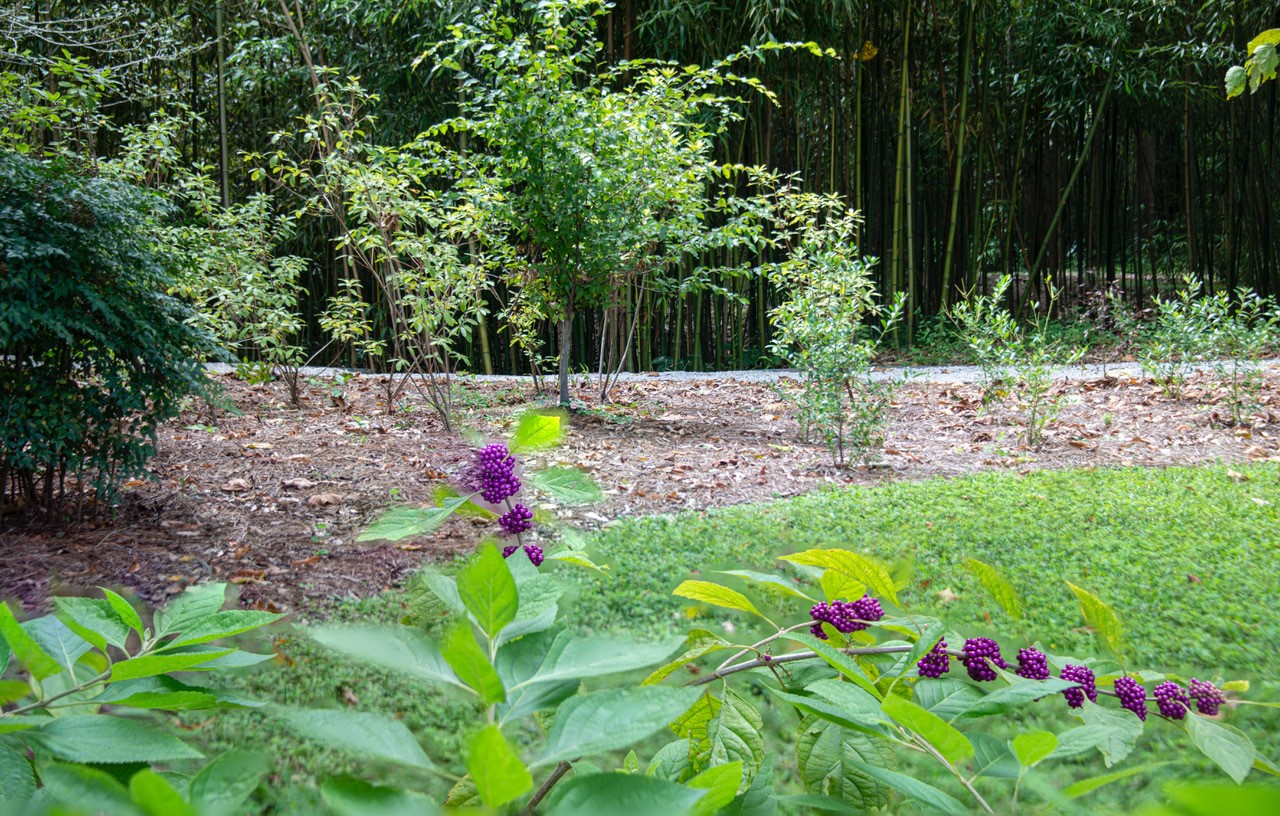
[566, 335]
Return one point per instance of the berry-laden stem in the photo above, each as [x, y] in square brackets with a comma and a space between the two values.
[755, 647]
[791, 657]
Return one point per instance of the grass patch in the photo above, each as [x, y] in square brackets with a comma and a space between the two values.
[1186, 556]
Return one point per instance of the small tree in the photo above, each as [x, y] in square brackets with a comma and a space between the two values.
[589, 179]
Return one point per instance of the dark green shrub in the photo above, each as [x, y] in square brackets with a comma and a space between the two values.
[94, 353]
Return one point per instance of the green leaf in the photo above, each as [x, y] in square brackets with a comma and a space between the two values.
[913, 788]
[93, 619]
[565, 485]
[223, 786]
[161, 692]
[361, 733]
[162, 663]
[471, 664]
[841, 662]
[1008, 697]
[355, 797]
[1121, 730]
[402, 649]
[852, 565]
[924, 644]
[495, 768]
[223, 624]
[468, 508]
[1034, 746]
[24, 647]
[1226, 746]
[537, 431]
[1078, 789]
[671, 761]
[124, 609]
[759, 798]
[196, 602]
[774, 582]
[630, 794]
[946, 697]
[57, 640]
[736, 734]
[488, 590]
[824, 751]
[1235, 81]
[721, 784]
[108, 741]
[1075, 741]
[1100, 618]
[17, 781]
[716, 595]
[155, 796]
[1000, 589]
[936, 731]
[573, 658]
[405, 522]
[1269, 37]
[536, 612]
[699, 643]
[1217, 798]
[85, 789]
[613, 718]
[993, 757]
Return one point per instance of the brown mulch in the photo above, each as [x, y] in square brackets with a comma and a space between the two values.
[273, 498]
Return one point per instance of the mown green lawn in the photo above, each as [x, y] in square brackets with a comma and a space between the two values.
[1187, 557]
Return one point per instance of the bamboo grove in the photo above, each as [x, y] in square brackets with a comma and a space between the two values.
[1085, 143]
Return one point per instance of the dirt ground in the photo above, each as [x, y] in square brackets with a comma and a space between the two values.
[272, 498]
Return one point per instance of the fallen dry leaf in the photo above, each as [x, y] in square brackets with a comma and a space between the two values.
[324, 499]
[297, 484]
[237, 486]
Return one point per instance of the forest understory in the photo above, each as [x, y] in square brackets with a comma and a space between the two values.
[272, 498]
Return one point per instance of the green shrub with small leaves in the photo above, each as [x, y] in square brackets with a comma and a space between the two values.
[94, 351]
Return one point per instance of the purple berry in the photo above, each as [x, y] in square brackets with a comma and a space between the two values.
[1084, 676]
[493, 473]
[535, 554]
[867, 608]
[1172, 702]
[1208, 697]
[516, 520]
[506, 551]
[979, 655]
[1032, 664]
[845, 616]
[1132, 696]
[936, 663]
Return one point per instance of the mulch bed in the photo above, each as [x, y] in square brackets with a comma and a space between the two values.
[273, 498]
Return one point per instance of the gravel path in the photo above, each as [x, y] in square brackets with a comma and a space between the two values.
[927, 374]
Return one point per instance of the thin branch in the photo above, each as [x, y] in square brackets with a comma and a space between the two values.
[545, 788]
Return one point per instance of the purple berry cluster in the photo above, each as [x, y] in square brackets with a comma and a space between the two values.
[1032, 664]
[494, 473]
[532, 550]
[1208, 697]
[1088, 687]
[1171, 700]
[936, 663]
[845, 616]
[979, 655]
[1132, 696]
[516, 520]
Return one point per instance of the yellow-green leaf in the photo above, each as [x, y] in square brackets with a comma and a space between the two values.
[716, 595]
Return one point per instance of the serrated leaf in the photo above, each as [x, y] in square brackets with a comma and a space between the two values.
[1122, 730]
[17, 781]
[936, 731]
[716, 595]
[565, 485]
[946, 697]
[194, 603]
[360, 733]
[736, 734]
[108, 740]
[471, 664]
[488, 590]
[671, 761]
[405, 522]
[162, 663]
[699, 643]
[401, 649]
[24, 647]
[124, 609]
[838, 660]
[93, 619]
[495, 768]
[467, 508]
[1226, 746]
[223, 624]
[572, 657]
[993, 757]
[632, 794]
[537, 431]
[1009, 697]
[85, 789]
[854, 566]
[57, 640]
[1001, 591]
[823, 752]
[613, 718]
[155, 796]
[1100, 617]
[773, 582]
